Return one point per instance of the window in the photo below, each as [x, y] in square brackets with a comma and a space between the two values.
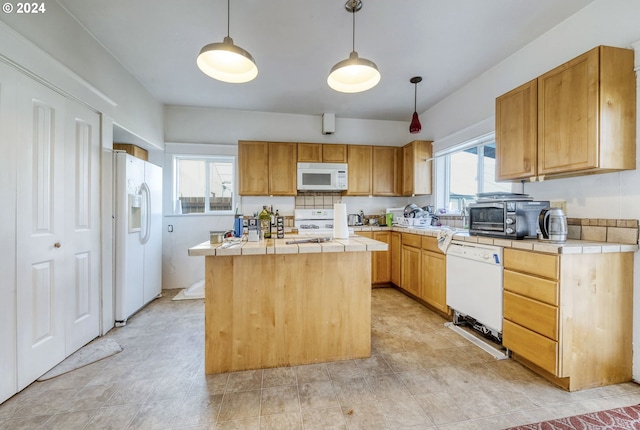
[204, 184]
[466, 170]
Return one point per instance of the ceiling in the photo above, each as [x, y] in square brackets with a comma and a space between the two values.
[295, 44]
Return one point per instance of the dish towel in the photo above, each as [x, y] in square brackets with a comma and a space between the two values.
[444, 239]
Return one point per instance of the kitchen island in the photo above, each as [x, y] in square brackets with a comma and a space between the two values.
[270, 303]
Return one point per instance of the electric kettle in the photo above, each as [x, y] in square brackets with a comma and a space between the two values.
[553, 225]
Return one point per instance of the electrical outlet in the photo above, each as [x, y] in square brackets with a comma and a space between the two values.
[562, 204]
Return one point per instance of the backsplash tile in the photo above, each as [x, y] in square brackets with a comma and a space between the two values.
[604, 230]
[594, 233]
[317, 200]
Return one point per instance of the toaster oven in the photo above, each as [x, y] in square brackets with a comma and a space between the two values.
[509, 219]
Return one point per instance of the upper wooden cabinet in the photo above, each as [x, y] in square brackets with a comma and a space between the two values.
[359, 158]
[334, 153]
[253, 168]
[310, 152]
[585, 119]
[267, 168]
[283, 168]
[517, 133]
[322, 153]
[416, 175]
[385, 171]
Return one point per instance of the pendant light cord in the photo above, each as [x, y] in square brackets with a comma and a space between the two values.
[228, 16]
[354, 4]
[415, 96]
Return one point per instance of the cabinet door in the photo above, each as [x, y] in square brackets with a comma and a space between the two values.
[310, 152]
[381, 273]
[399, 170]
[385, 171]
[434, 286]
[395, 247]
[568, 116]
[253, 168]
[359, 176]
[411, 261]
[517, 133]
[407, 169]
[334, 153]
[417, 171]
[283, 168]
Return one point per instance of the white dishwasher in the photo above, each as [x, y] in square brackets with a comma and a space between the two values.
[474, 286]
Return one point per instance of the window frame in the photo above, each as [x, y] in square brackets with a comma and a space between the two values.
[442, 163]
[206, 159]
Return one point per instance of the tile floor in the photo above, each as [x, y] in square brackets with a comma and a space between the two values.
[421, 375]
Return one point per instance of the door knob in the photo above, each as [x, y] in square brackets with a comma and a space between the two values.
[57, 245]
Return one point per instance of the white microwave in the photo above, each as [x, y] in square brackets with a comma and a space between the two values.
[322, 176]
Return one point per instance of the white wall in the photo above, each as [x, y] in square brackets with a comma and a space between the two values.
[82, 68]
[224, 126]
[470, 112]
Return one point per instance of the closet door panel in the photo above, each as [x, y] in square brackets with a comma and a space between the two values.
[82, 226]
[40, 231]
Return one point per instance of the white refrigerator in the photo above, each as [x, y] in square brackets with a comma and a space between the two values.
[138, 234]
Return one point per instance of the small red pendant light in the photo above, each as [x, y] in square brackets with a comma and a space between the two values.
[415, 126]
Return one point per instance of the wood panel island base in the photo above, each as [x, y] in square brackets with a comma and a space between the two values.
[281, 308]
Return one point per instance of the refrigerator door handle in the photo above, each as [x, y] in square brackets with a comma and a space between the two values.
[146, 192]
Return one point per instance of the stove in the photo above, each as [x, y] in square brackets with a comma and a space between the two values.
[314, 221]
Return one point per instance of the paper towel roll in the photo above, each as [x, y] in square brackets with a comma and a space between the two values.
[340, 227]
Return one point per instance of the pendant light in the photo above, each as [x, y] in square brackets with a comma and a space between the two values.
[354, 74]
[415, 126]
[227, 62]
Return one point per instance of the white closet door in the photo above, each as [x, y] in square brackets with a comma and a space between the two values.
[8, 149]
[40, 224]
[81, 248]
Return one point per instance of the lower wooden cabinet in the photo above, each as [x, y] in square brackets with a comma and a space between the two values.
[434, 275]
[568, 316]
[538, 349]
[380, 260]
[411, 261]
[395, 249]
[421, 268]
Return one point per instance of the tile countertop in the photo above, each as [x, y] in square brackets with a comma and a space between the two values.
[280, 246]
[569, 247]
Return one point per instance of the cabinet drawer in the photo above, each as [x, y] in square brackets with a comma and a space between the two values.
[532, 262]
[413, 240]
[539, 317]
[431, 244]
[540, 289]
[530, 345]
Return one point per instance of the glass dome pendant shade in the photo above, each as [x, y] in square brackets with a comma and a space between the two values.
[415, 126]
[227, 62]
[354, 74]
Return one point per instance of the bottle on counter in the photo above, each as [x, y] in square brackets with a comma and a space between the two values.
[264, 221]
